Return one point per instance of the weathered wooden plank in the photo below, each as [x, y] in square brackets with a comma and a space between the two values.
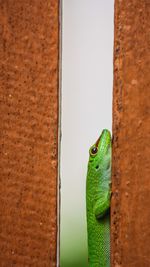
[29, 131]
[131, 135]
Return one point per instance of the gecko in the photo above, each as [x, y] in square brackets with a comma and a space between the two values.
[98, 196]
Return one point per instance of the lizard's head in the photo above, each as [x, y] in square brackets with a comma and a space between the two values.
[100, 152]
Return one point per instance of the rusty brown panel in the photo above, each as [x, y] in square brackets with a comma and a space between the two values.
[28, 132]
[130, 239]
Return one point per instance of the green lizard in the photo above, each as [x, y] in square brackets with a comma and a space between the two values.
[98, 195]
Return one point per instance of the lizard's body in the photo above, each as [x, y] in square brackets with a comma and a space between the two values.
[98, 201]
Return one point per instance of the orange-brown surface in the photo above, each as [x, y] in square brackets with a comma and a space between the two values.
[28, 132]
[131, 130]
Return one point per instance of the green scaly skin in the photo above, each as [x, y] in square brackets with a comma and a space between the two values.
[98, 194]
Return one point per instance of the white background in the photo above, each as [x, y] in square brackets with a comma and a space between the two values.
[87, 81]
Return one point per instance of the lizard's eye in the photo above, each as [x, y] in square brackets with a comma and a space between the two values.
[94, 150]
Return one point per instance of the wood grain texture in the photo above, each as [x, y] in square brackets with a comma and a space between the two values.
[131, 134]
[28, 132]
